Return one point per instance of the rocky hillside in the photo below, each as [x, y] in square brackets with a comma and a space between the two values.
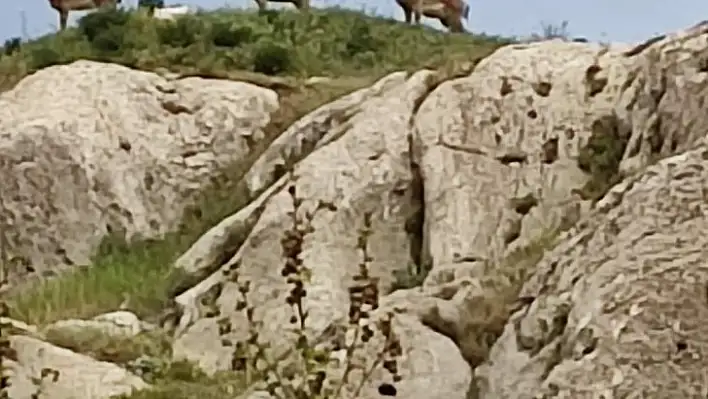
[427, 216]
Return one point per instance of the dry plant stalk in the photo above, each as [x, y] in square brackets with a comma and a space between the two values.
[6, 352]
[4, 228]
[311, 378]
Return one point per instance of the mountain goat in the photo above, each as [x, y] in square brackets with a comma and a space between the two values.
[449, 12]
[63, 7]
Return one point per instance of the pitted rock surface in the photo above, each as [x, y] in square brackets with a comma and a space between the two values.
[619, 302]
[498, 148]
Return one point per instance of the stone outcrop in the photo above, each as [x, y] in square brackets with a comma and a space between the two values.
[536, 290]
[619, 301]
[37, 367]
[89, 148]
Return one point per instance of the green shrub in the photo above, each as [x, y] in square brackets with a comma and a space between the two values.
[94, 24]
[228, 34]
[105, 29]
[11, 46]
[272, 59]
[182, 32]
[362, 40]
[42, 57]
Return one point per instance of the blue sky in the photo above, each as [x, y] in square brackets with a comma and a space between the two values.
[607, 20]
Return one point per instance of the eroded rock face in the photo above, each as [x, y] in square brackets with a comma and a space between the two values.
[89, 147]
[664, 98]
[498, 149]
[457, 174]
[620, 301]
[460, 175]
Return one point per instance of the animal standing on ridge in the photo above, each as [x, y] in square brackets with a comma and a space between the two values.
[63, 7]
[449, 12]
[299, 4]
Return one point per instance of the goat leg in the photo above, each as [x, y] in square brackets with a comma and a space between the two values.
[63, 18]
[418, 14]
[408, 14]
[262, 4]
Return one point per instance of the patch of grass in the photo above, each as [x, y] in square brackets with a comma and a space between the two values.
[325, 42]
[351, 48]
[184, 381]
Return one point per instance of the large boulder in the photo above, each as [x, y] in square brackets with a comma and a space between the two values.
[498, 149]
[91, 148]
[42, 369]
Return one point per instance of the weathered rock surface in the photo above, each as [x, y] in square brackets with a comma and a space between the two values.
[458, 175]
[620, 301]
[89, 147]
[79, 376]
[492, 164]
[498, 149]
[367, 170]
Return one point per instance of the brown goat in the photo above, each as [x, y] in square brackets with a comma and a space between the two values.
[449, 12]
[299, 4]
[63, 7]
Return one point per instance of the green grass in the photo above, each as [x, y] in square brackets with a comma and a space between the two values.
[351, 48]
[331, 42]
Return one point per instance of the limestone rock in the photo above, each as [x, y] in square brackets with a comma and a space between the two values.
[631, 286]
[88, 148]
[66, 375]
[498, 148]
[619, 302]
[480, 166]
[294, 144]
